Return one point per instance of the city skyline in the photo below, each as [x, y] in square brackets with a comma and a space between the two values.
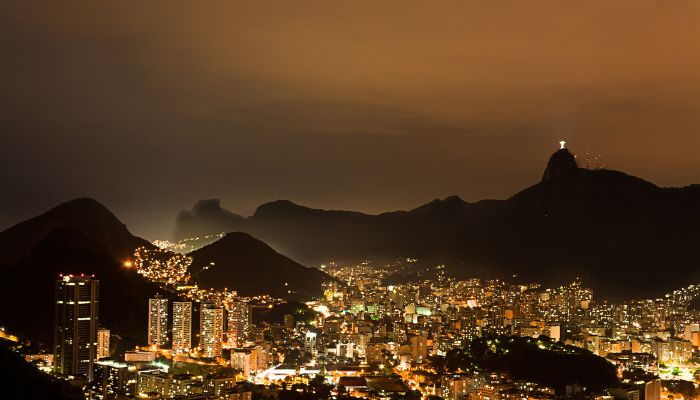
[363, 328]
[329, 200]
[633, 335]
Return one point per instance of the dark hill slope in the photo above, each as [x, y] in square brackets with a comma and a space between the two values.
[80, 236]
[625, 235]
[249, 266]
[86, 215]
[29, 288]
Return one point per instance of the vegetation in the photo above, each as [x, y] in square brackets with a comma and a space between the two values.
[685, 388]
[538, 360]
[317, 389]
[202, 369]
[275, 315]
[260, 392]
[295, 357]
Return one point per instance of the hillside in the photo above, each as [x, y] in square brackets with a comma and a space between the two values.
[78, 237]
[557, 365]
[240, 262]
[85, 215]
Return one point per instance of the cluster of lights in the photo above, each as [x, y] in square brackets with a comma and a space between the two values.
[161, 266]
[365, 273]
[443, 311]
[187, 245]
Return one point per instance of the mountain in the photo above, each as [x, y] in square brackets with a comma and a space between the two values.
[86, 215]
[206, 217]
[84, 237]
[240, 262]
[80, 236]
[625, 236]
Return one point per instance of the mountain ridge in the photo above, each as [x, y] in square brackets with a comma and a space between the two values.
[87, 215]
[83, 237]
[66, 250]
[572, 222]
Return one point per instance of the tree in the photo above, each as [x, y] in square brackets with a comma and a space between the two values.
[164, 361]
[558, 365]
[675, 372]
[319, 387]
[438, 363]
[685, 388]
[413, 395]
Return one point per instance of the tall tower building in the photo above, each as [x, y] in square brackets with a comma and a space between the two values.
[310, 344]
[245, 359]
[238, 322]
[211, 330]
[157, 321]
[102, 343]
[75, 325]
[419, 348]
[182, 326]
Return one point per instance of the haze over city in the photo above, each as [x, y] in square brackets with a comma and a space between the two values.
[371, 107]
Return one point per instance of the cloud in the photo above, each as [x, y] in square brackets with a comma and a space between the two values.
[369, 106]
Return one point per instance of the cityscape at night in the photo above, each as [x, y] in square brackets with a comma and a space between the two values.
[313, 200]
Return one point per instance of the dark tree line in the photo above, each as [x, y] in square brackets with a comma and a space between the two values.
[536, 360]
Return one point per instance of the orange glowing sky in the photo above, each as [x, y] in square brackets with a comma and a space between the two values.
[373, 106]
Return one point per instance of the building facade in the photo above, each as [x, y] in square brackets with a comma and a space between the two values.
[238, 322]
[211, 330]
[75, 325]
[157, 321]
[182, 326]
[102, 343]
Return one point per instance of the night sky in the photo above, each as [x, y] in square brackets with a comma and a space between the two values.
[150, 106]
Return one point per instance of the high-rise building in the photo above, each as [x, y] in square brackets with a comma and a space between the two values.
[211, 330]
[455, 387]
[102, 343]
[310, 343]
[289, 321]
[75, 325]
[651, 389]
[419, 348]
[182, 326]
[245, 360]
[157, 321]
[238, 322]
